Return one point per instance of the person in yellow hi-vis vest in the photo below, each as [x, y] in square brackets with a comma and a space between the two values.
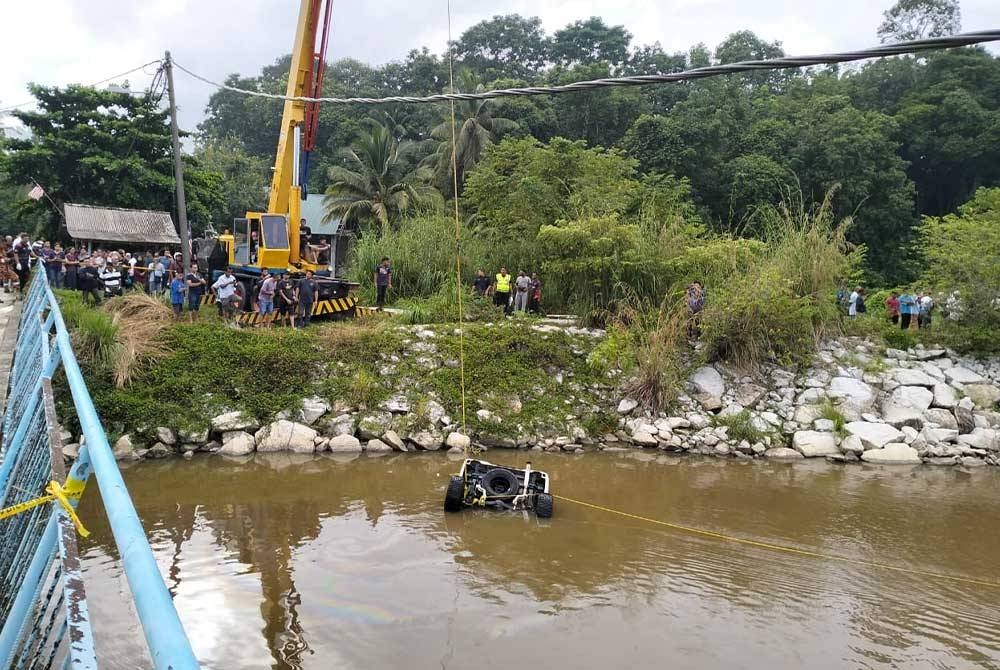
[501, 289]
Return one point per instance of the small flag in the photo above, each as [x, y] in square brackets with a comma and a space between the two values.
[36, 193]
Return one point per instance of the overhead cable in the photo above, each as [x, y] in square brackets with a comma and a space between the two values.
[900, 48]
[96, 83]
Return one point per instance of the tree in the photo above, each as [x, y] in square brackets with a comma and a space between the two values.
[475, 129]
[746, 45]
[504, 47]
[917, 19]
[377, 182]
[591, 41]
[104, 148]
[244, 183]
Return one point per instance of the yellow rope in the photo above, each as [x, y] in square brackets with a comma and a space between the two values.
[54, 492]
[783, 548]
[458, 225]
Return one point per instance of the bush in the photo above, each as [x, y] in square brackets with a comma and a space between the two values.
[740, 427]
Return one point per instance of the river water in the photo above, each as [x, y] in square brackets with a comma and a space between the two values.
[320, 562]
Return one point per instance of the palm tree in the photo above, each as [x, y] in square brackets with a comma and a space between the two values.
[475, 129]
[378, 180]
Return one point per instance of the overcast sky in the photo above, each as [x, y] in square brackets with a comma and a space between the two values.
[56, 42]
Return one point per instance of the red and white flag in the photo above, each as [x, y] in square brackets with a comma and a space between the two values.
[36, 193]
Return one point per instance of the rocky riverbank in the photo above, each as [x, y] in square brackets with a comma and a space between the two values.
[856, 402]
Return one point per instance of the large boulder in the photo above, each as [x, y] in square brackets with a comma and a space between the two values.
[906, 406]
[342, 424]
[945, 396]
[873, 435]
[426, 440]
[811, 443]
[910, 377]
[961, 375]
[231, 421]
[939, 435]
[166, 436]
[982, 438]
[707, 380]
[853, 393]
[373, 426]
[749, 394]
[236, 443]
[393, 439]
[458, 440]
[985, 396]
[965, 420]
[852, 444]
[377, 447]
[341, 444]
[284, 435]
[312, 409]
[124, 450]
[895, 453]
[627, 405]
[942, 417]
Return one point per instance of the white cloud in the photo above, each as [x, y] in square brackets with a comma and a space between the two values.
[82, 41]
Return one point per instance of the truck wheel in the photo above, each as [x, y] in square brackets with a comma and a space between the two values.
[500, 482]
[543, 506]
[453, 497]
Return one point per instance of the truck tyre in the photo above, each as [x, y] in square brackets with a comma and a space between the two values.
[500, 482]
[453, 497]
[543, 506]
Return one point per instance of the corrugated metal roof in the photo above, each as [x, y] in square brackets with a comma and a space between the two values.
[112, 224]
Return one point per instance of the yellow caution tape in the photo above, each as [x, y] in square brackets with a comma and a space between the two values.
[54, 492]
[783, 548]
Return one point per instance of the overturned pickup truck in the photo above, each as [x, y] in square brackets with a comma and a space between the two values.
[497, 486]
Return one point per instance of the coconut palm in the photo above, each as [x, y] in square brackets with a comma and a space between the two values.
[475, 129]
[377, 181]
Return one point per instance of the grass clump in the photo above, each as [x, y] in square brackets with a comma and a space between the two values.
[740, 427]
[828, 410]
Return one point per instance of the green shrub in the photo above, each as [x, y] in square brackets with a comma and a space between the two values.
[740, 427]
[830, 411]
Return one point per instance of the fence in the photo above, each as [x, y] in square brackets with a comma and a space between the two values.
[43, 606]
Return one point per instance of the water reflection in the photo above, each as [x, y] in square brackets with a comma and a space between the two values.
[296, 561]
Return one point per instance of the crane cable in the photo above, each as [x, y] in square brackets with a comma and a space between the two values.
[786, 62]
[458, 226]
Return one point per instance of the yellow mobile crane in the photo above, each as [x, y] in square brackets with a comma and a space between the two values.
[273, 239]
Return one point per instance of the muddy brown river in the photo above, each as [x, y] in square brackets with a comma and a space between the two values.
[323, 562]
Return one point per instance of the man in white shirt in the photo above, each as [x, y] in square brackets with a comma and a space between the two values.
[852, 307]
[225, 290]
[925, 305]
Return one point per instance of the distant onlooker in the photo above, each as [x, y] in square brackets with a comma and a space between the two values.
[22, 261]
[535, 294]
[307, 294]
[501, 289]
[112, 280]
[72, 266]
[852, 302]
[383, 281]
[265, 297]
[521, 286]
[695, 296]
[224, 289]
[196, 289]
[924, 308]
[860, 306]
[892, 307]
[907, 308]
[284, 299]
[178, 291]
[89, 282]
[481, 284]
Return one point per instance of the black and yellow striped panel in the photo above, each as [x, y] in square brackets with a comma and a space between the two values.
[208, 299]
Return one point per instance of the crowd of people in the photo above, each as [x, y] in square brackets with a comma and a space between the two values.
[522, 293]
[906, 309]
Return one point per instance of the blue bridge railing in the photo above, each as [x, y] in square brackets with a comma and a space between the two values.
[43, 606]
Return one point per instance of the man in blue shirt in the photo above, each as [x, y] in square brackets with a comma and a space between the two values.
[177, 291]
[907, 308]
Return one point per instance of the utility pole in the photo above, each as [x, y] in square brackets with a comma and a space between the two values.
[178, 166]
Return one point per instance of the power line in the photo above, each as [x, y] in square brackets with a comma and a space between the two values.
[96, 83]
[788, 62]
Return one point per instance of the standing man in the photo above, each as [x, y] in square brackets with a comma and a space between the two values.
[72, 265]
[892, 307]
[22, 265]
[924, 308]
[481, 284]
[521, 286]
[284, 299]
[307, 294]
[224, 289]
[177, 290]
[89, 281]
[383, 281]
[852, 302]
[501, 289]
[265, 298]
[535, 299]
[907, 308]
[196, 289]
[112, 280]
